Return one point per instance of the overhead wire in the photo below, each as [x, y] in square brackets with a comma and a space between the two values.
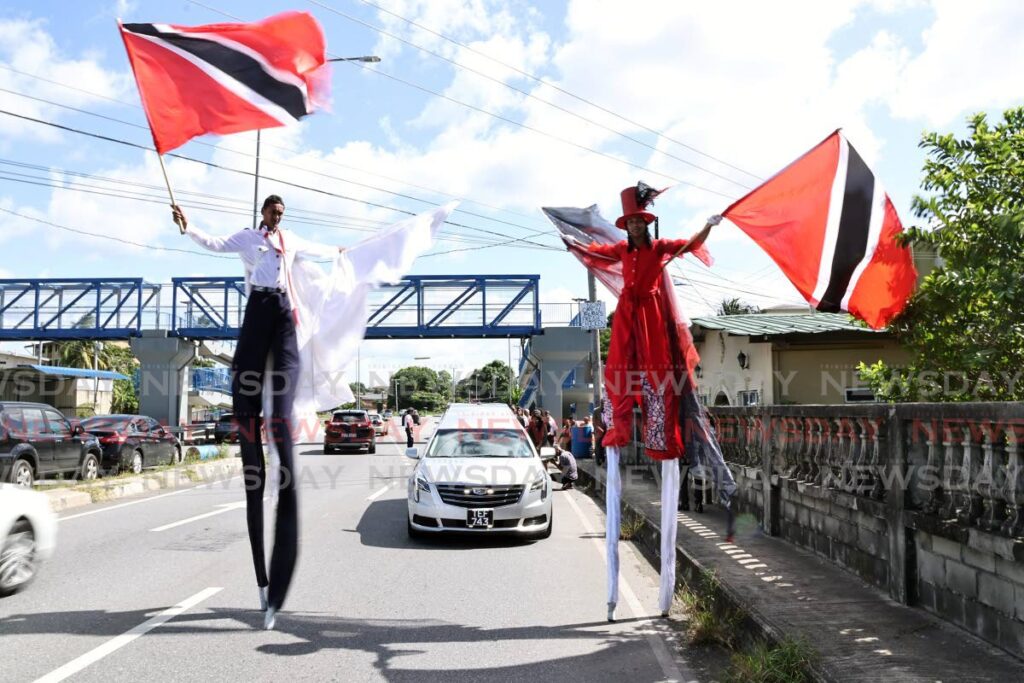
[222, 147]
[211, 164]
[525, 93]
[559, 89]
[531, 231]
[505, 119]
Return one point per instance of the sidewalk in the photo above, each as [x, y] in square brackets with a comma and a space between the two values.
[858, 633]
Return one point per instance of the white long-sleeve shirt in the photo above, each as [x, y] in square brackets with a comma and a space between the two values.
[261, 253]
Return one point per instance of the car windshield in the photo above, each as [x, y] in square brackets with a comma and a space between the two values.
[227, 418]
[482, 443]
[349, 418]
[105, 422]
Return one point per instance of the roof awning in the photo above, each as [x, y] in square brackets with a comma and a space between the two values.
[57, 371]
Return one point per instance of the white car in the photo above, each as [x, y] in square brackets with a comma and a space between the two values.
[480, 473]
[28, 535]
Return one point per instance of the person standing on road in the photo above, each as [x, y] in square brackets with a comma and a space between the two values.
[410, 424]
[599, 430]
[538, 430]
[552, 428]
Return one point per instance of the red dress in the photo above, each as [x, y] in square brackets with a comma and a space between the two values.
[648, 361]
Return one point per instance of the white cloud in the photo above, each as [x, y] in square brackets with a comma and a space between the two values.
[972, 60]
[26, 46]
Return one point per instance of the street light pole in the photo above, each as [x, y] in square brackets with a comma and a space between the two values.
[256, 184]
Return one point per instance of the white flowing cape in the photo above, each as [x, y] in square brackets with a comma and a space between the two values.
[332, 317]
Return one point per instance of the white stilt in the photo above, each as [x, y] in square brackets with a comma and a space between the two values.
[613, 498]
[669, 526]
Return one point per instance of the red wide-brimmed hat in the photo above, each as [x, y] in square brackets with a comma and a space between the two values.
[635, 200]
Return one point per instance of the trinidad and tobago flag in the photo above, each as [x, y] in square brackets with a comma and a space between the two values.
[226, 78]
[827, 222]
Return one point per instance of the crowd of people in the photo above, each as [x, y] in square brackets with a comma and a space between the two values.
[544, 430]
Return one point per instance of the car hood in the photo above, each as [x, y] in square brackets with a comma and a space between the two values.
[500, 471]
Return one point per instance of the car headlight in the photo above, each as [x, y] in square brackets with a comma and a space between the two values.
[421, 485]
[541, 484]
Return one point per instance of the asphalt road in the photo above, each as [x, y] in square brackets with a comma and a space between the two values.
[162, 588]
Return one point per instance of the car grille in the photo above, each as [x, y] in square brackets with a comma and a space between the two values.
[492, 496]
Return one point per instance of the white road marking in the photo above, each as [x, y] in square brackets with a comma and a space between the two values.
[668, 664]
[381, 492]
[133, 502]
[111, 646]
[224, 507]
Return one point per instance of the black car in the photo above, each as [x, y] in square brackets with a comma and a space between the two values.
[226, 429]
[131, 442]
[36, 440]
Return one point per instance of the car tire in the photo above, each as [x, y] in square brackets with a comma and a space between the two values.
[22, 473]
[372, 448]
[176, 456]
[413, 532]
[90, 469]
[327, 449]
[136, 466]
[18, 562]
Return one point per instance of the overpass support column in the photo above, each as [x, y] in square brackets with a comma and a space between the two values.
[163, 375]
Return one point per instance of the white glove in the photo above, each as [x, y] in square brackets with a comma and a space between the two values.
[715, 220]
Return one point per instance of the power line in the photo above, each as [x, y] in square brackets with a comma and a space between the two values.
[295, 216]
[507, 120]
[558, 88]
[211, 164]
[527, 94]
[250, 155]
[282, 163]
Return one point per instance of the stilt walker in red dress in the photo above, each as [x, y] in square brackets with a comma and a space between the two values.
[650, 364]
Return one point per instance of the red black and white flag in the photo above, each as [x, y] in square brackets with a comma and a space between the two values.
[226, 78]
[828, 223]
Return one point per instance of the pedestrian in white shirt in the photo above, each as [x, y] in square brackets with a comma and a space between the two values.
[410, 425]
[268, 330]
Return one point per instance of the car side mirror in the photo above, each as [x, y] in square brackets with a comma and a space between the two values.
[78, 430]
[548, 453]
[412, 453]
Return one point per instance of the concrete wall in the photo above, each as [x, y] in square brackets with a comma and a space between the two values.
[721, 372]
[923, 501]
[788, 373]
[820, 374]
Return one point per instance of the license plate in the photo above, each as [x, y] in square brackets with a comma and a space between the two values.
[479, 519]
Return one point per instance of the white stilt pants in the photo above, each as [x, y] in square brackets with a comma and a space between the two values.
[669, 525]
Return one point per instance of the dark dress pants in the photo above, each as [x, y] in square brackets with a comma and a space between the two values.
[268, 330]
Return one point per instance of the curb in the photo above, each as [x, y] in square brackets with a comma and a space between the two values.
[172, 478]
[690, 573]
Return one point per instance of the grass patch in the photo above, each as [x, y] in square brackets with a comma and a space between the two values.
[709, 623]
[788, 662]
[630, 527]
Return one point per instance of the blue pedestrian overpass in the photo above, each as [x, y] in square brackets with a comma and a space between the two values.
[211, 308]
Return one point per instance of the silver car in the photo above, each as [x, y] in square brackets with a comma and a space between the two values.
[479, 473]
[28, 534]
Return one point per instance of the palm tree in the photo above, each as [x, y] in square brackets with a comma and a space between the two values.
[736, 307]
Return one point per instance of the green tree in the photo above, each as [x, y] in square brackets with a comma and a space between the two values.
[735, 307]
[491, 383]
[965, 324]
[120, 359]
[414, 383]
[606, 338]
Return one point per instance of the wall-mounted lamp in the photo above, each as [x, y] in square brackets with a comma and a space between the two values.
[744, 360]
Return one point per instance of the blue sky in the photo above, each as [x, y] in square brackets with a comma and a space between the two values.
[749, 83]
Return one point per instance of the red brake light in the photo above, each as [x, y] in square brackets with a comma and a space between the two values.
[113, 439]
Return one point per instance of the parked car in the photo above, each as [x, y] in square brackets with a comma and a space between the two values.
[28, 535]
[350, 429]
[388, 413]
[131, 442]
[36, 440]
[380, 425]
[480, 473]
[226, 429]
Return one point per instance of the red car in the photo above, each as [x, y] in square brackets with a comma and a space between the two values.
[350, 429]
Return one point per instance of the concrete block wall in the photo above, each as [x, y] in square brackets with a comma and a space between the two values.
[977, 584]
[845, 529]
